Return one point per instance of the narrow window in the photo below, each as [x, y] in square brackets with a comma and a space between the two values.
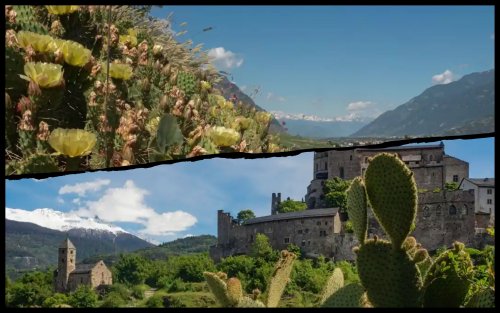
[350, 158]
[318, 223]
[326, 223]
[70, 260]
[307, 230]
[426, 211]
[489, 191]
[326, 166]
[309, 242]
[489, 201]
[453, 210]
[300, 231]
[438, 210]
[70, 251]
[303, 242]
[455, 178]
[430, 157]
[341, 172]
[287, 239]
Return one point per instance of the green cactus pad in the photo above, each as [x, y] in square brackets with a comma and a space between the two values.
[349, 296]
[280, 278]
[234, 290]
[39, 163]
[188, 83]
[389, 275]
[482, 299]
[334, 283]
[448, 279]
[356, 208]
[218, 287]
[247, 302]
[409, 243]
[392, 193]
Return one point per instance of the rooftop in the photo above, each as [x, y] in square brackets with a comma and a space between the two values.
[482, 182]
[67, 244]
[414, 147]
[83, 268]
[293, 215]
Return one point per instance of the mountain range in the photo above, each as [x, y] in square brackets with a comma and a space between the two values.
[30, 245]
[465, 106]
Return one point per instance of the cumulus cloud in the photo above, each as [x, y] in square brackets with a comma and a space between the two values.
[76, 201]
[444, 78]
[60, 200]
[127, 204]
[82, 188]
[225, 59]
[359, 105]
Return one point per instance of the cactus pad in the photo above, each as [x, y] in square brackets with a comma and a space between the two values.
[482, 299]
[218, 287]
[392, 193]
[389, 275]
[280, 278]
[448, 279]
[334, 283]
[187, 82]
[247, 302]
[356, 208]
[349, 296]
[234, 290]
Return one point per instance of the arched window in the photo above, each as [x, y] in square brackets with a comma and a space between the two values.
[452, 210]
[426, 212]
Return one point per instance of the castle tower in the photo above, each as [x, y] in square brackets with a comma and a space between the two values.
[65, 264]
[275, 202]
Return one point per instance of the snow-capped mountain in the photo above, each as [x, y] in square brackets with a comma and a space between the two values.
[352, 117]
[61, 221]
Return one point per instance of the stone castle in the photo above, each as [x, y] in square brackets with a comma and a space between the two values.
[442, 216]
[68, 275]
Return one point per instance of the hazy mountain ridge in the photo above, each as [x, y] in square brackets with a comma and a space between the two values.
[457, 106]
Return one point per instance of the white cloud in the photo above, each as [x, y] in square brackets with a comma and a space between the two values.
[225, 59]
[38, 180]
[272, 97]
[127, 204]
[60, 200]
[359, 105]
[76, 201]
[444, 78]
[82, 188]
[188, 235]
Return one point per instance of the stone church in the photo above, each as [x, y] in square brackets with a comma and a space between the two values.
[69, 275]
[443, 216]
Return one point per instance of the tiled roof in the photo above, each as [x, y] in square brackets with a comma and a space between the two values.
[83, 268]
[293, 215]
[482, 182]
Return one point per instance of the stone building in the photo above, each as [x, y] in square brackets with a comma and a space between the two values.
[431, 166]
[69, 275]
[484, 199]
[442, 216]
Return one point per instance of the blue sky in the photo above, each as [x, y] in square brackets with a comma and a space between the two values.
[193, 189]
[317, 60]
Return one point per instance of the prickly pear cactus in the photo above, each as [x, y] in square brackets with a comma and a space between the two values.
[484, 298]
[280, 278]
[356, 208]
[349, 296]
[392, 193]
[187, 83]
[334, 283]
[448, 279]
[27, 21]
[389, 275]
[218, 287]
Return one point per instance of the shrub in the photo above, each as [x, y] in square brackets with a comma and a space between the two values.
[83, 297]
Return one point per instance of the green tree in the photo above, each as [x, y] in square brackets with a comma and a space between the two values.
[131, 269]
[261, 248]
[56, 300]
[291, 206]
[335, 191]
[113, 300]
[83, 297]
[295, 249]
[244, 215]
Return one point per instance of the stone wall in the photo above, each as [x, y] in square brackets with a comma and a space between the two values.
[454, 166]
[77, 279]
[101, 275]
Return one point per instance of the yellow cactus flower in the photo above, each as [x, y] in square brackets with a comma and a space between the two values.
[205, 85]
[46, 75]
[72, 142]
[213, 112]
[263, 117]
[131, 37]
[74, 53]
[273, 148]
[40, 43]
[62, 9]
[224, 137]
[120, 71]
